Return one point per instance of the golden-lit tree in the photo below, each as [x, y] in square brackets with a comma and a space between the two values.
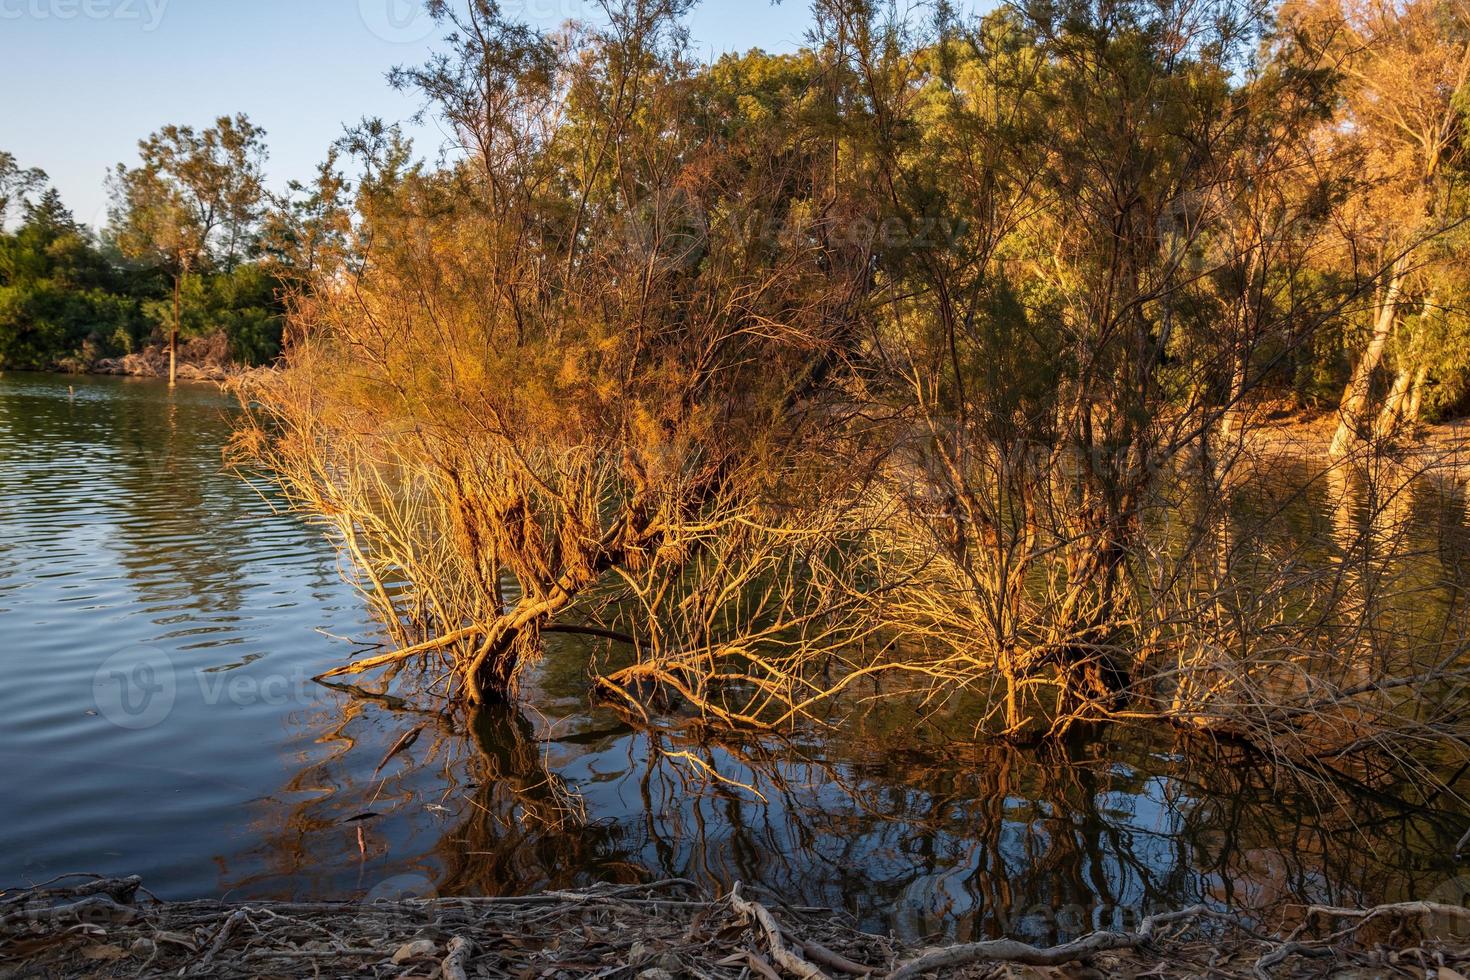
[924, 356]
[576, 379]
[1403, 70]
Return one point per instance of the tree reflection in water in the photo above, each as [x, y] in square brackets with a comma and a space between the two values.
[963, 841]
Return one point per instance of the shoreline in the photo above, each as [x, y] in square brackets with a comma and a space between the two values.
[186, 372]
[92, 926]
[196, 362]
[1439, 450]
[204, 358]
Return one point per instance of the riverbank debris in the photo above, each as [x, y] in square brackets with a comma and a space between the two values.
[86, 926]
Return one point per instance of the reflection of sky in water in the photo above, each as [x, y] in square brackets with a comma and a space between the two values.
[118, 530]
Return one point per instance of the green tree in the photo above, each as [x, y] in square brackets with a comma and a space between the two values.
[16, 184]
[192, 203]
[306, 237]
[58, 292]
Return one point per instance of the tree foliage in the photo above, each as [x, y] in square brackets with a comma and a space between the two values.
[58, 292]
[928, 352]
[192, 215]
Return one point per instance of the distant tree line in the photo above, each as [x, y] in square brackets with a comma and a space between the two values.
[195, 246]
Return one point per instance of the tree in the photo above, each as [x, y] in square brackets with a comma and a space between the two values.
[1048, 364]
[305, 236]
[16, 185]
[612, 378]
[58, 292]
[1404, 68]
[193, 201]
[942, 335]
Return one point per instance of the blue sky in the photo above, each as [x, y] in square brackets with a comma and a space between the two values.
[87, 78]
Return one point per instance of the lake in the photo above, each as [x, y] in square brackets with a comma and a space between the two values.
[160, 621]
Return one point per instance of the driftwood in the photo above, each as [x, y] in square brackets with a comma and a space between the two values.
[786, 958]
[91, 926]
[1013, 951]
[453, 967]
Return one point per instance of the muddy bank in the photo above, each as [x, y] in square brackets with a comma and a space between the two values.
[88, 926]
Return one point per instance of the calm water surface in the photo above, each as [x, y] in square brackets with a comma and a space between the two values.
[160, 621]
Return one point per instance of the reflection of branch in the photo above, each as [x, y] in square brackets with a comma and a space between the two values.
[984, 829]
[597, 631]
[525, 826]
[390, 702]
[710, 772]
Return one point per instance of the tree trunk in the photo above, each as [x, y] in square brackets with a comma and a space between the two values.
[1353, 412]
[173, 338]
[1416, 396]
[1230, 421]
[1240, 369]
[1401, 408]
[1089, 674]
[1395, 406]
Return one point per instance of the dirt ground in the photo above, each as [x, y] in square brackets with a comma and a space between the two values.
[89, 926]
